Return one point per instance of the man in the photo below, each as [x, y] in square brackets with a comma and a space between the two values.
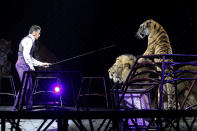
[26, 62]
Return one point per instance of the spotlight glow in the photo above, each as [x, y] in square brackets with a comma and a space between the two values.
[57, 89]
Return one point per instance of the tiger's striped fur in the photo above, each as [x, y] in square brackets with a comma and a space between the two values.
[158, 43]
[158, 40]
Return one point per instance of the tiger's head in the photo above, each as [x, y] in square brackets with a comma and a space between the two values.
[121, 68]
[146, 28]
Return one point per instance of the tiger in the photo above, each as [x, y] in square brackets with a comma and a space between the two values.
[158, 43]
[158, 40]
[119, 71]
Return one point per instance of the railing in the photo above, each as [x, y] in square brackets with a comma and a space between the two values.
[171, 70]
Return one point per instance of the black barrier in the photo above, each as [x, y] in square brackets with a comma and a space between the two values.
[70, 82]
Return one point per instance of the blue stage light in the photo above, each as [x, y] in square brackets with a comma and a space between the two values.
[57, 89]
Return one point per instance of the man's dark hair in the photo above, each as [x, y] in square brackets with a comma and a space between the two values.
[34, 28]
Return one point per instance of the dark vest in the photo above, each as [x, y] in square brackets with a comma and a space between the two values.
[20, 51]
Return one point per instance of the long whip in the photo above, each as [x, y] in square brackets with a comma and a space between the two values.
[83, 54]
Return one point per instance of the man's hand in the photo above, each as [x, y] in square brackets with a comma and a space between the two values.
[46, 65]
[32, 68]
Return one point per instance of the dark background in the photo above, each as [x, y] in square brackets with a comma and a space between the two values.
[74, 27]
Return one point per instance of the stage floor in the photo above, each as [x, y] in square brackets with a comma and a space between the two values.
[34, 124]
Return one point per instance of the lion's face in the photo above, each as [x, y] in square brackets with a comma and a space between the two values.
[121, 68]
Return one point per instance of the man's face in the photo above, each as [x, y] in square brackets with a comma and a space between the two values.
[36, 34]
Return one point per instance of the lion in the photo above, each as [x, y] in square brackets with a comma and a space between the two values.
[120, 70]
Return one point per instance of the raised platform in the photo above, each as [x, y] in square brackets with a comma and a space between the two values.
[68, 113]
[109, 119]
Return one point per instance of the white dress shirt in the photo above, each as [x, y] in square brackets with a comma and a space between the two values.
[27, 44]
